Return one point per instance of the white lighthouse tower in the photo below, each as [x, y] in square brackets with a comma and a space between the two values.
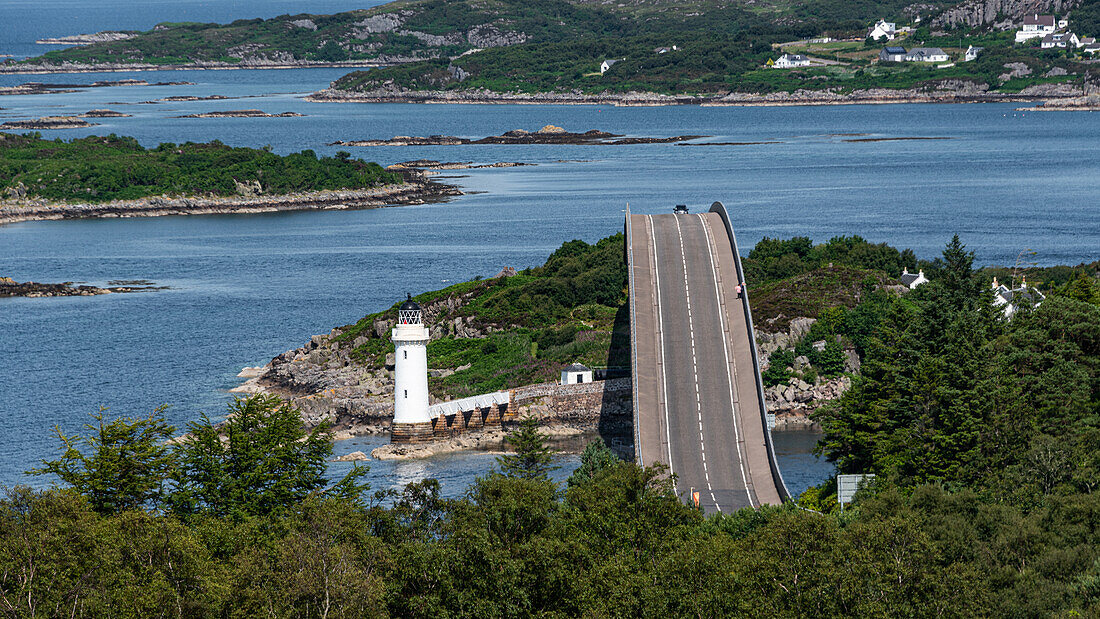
[411, 422]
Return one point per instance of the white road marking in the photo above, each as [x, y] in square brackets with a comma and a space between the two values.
[691, 333]
[725, 349]
[661, 328]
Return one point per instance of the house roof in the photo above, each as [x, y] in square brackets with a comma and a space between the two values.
[927, 51]
[1039, 20]
[576, 367]
[794, 57]
[611, 62]
[894, 50]
[909, 278]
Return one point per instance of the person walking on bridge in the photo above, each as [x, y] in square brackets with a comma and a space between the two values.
[738, 289]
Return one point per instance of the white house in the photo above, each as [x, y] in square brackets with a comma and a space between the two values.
[1060, 40]
[1012, 298]
[787, 61]
[1035, 26]
[926, 54]
[892, 54]
[607, 64]
[576, 374]
[913, 279]
[972, 53]
[883, 29]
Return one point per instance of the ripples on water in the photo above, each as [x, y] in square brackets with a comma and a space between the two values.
[247, 287]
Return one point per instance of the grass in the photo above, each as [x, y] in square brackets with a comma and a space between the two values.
[775, 304]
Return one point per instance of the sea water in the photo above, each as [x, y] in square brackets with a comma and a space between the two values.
[244, 288]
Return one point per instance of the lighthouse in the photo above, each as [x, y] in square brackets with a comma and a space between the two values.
[411, 422]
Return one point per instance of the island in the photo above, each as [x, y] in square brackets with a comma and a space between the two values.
[242, 114]
[114, 176]
[11, 288]
[549, 134]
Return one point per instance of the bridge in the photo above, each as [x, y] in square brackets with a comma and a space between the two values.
[698, 397]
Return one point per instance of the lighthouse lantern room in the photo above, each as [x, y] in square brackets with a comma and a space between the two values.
[411, 422]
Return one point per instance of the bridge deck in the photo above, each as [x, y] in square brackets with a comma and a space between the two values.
[697, 405]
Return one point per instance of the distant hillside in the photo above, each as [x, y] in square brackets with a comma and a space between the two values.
[405, 31]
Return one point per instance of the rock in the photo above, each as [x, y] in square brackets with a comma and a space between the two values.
[819, 345]
[251, 372]
[391, 360]
[980, 13]
[19, 191]
[1055, 72]
[851, 361]
[801, 362]
[382, 328]
[506, 272]
[355, 456]
[304, 23]
[551, 129]
[248, 188]
[1016, 69]
[47, 122]
[800, 327]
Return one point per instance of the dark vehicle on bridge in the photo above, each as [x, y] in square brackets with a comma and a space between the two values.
[680, 209]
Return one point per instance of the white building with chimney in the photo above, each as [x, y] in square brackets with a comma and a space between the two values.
[883, 29]
[1035, 27]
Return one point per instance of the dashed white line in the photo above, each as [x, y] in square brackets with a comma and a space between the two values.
[661, 328]
[691, 334]
[725, 349]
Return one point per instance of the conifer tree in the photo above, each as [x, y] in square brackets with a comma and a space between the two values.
[532, 457]
[124, 465]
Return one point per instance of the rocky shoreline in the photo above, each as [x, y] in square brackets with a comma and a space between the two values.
[322, 379]
[946, 91]
[417, 190]
[11, 288]
[1090, 103]
[13, 68]
[549, 134]
[242, 114]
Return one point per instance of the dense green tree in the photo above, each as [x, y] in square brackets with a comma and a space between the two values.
[595, 458]
[258, 461]
[119, 465]
[532, 458]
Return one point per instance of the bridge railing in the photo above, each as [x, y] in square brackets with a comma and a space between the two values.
[629, 251]
[781, 486]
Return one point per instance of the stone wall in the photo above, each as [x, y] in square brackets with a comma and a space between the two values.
[605, 406]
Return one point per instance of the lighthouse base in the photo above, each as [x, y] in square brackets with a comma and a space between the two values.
[405, 433]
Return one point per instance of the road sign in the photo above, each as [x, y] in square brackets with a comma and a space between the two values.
[847, 485]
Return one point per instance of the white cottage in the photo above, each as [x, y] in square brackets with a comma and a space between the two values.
[1012, 298]
[1060, 40]
[926, 54]
[972, 53]
[913, 279]
[788, 61]
[883, 29]
[576, 374]
[607, 64]
[1035, 26]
